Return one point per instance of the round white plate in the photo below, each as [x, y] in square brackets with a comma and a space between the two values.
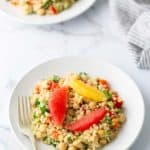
[120, 81]
[17, 14]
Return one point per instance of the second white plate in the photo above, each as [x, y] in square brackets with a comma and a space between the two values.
[15, 13]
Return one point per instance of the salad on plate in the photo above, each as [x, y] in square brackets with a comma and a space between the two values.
[76, 112]
[43, 7]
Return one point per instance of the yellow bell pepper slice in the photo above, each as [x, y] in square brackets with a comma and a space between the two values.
[87, 91]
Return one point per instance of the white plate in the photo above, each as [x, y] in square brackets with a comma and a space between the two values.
[119, 80]
[16, 14]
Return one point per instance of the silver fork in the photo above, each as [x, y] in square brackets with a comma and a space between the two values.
[24, 119]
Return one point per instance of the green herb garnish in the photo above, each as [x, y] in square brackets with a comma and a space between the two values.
[83, 73]
[108, 120]
[45, 138]
[46, 102]
[86, 146]
[107, 134]
[34, 115]
[43, 109]
[47, 4]
[37, 102]
[118, 111]
[110, 104]
[56, 78]
[41, 106]
[69, 139]
[108, 94]
[52, 142]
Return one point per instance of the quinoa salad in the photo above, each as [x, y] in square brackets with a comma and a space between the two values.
[43, 7]
[76, 112]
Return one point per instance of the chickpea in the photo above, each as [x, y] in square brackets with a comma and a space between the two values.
[122, 118]
[66, 5]
[28, 9]
[38, 134]
[36, 7]
[101, 132]
[42, 128]
[103, 141]
[22, 2]
[41, 12]
[62, 146]
[92, 105]
[72, 148]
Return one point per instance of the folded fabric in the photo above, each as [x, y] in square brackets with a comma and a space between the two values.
[133, 16]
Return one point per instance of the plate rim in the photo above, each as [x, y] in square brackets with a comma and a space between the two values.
[77, 57]
[49, 22]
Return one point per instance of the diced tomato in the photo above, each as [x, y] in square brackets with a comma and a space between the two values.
[114, 94]
[116, 125]
[58, 105]
[55, 134]
[117, 103]
[48, 120]
[84, 110]
[114, 98]
[53, 9]
[104, 84]
[103, 81]
[111, 113]
[37, 89]
[52, 86]
[88, 120]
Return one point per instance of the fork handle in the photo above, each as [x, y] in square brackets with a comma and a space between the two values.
[34, 143]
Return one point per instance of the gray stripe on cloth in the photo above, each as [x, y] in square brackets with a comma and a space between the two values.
[133, 16]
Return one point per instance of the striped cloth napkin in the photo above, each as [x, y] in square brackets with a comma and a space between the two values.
[133, 17]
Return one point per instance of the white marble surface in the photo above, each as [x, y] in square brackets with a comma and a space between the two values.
[93, 33]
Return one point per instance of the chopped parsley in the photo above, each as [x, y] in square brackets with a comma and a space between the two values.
[69, 139]
[52, 142]
[45, 138]
[56, 78]
[107, 134]
[83, 73]
[34, 115]
[108, 94]
[46, 4]
[37, 102]
[46, 102]
[86, 146]
[110, 104]
[108, 120]
[43, 108]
